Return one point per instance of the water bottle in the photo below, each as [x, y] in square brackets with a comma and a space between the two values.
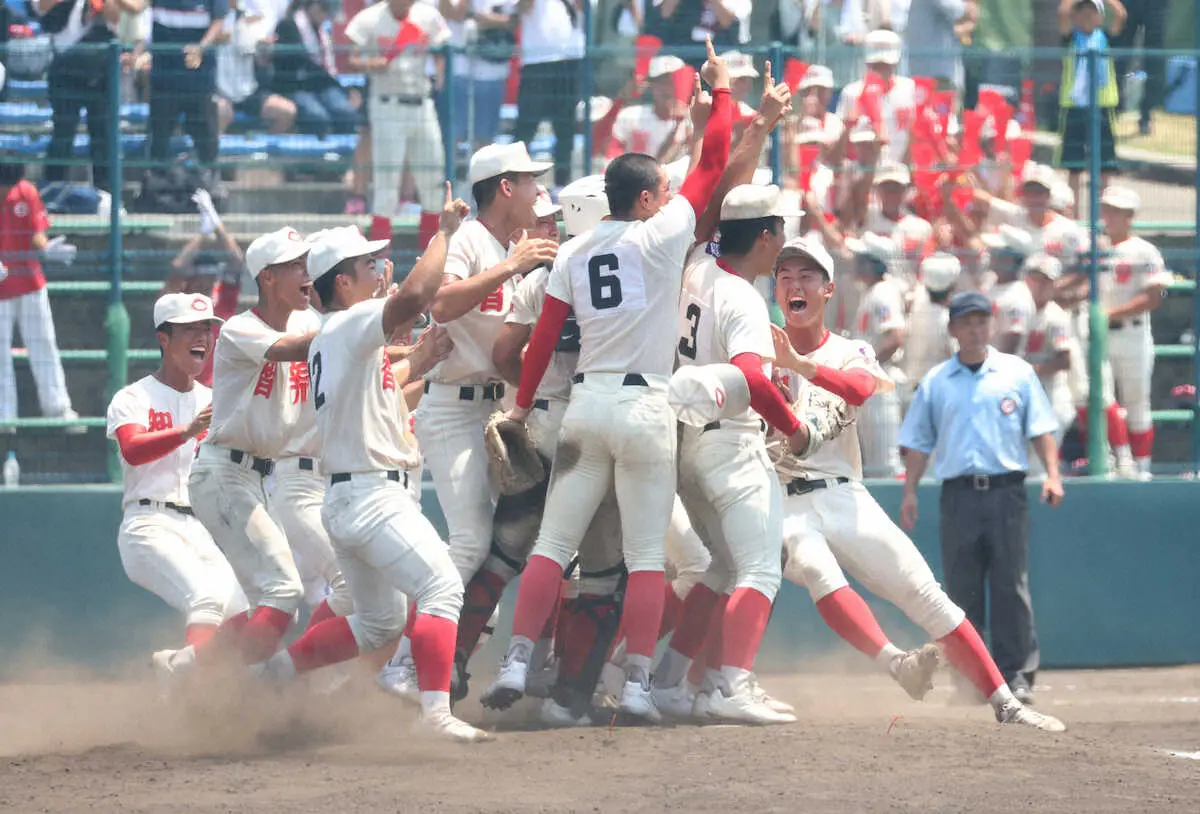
[12, 470]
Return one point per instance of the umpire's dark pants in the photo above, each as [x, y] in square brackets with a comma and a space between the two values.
[985, 545]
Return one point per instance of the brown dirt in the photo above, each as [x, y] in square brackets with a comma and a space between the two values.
[861, 746]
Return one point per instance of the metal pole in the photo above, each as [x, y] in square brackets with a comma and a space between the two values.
[116, 321]
[1196, 265]
[586, 84]
[1098, 326]
[777, 71]
[449, 142]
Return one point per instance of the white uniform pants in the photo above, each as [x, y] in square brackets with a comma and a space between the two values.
[403, 133]
[843, 527]
[1131, 355]
[295, 497]
[613, 437]
[688, 559]
[171, 555]
[450, 434]
[388, 551]
[231, 501]
[879, 433]
[728, 485]
[31, 313]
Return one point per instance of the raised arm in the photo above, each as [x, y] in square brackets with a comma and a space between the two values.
[418, 291]
[700, 184]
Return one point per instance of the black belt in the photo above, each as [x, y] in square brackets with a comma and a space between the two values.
[802, 486]
[630, 380]
[1118, 324]
[392, 475]
[263, 466]
[541, 404]
[491, 392]
[716, 425]
[175, 507]
[402, 100]
[308, 464]
[982, 483]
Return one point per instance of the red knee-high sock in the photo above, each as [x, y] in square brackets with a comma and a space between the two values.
[197, 635]
[552, 620]
[672, 606]
[695, 620]
[427, 229]
[433, 651]
[261, 635]
[1142, 443]
[966, 651]
[744, 625]
[320, 614]
[643, 612]
[324, 643]
[539, 590]
[224, 639]
[1118, 430]
[716, 618]
[714, 645]
[849, 617]
[480, 598]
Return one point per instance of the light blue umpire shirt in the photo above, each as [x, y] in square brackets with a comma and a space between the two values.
[978, 423]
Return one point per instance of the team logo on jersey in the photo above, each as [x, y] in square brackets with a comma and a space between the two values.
[21, 209]
[159, 421]
[1124, 272]
[1007, 406]
[719, 397]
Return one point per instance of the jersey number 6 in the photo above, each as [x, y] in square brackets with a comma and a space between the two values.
[314, 372]
[606, 288]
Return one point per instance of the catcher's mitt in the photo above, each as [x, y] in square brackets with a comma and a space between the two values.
[825, 415]
[513, 460]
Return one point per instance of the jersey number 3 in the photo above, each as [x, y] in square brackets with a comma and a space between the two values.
[314, 372]
[605, 287]
[687, 344]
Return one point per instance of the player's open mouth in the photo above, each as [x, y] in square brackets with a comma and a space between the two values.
[307, 290]
[797, 305]
[198, 353]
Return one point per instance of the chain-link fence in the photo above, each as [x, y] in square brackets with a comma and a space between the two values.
[287, 125]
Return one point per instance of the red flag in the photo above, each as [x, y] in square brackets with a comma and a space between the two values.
[928, 199]
[990, 100]
[963, 195]
[807, 155]
[409, 34]
[685, 81]
[381, 228]
[1019, 152]
[646, 48]
[929, 141]
[943, 104]
[972, 123]
[793, 71]
[1001, 117]
[1027, 114]
[926, 87]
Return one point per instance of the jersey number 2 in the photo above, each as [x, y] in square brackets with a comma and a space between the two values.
[687, 344]
[606, 288]
[314, 372]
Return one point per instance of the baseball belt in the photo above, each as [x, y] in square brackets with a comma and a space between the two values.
[175, 507]
[802, 486]
[630, 380]
[392, 474]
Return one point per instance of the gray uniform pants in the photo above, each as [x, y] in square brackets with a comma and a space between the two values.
[985, 547]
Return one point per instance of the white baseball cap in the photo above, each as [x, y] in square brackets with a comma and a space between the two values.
[882, 46]
[863, 131]
[664, 65]
[281, 246]
[940, 271]
[807, 248]
[332, 246]
[817, 76]
[601, 105]
[181, 309]
[1009, 239]
[749, 201]
[739, 65]
[1039, 174]
[1044, 264]
[498, 159]
[1121, 198]
[1061, 197]
[584, 204]
[875, 246]
[544, 205]
[892, 172]
[701, 394]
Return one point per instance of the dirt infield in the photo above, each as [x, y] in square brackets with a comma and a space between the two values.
[861, 746]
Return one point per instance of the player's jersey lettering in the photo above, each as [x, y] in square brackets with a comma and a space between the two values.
[314, 370]
[265, 385]
[159, 421]
[389, 379]
[604, 282]
[298, 381]
[493, 302]
[687, 342]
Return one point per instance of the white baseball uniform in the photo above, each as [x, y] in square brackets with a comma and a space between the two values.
[386, 546]
[163, 547]
[1013, 309]
[1050, 335]
[461, 392]
[404, 123]
[1136, 266]
[927, 341]
[255, 412]
[898, 112]
[913, 237]
[725, 476]
[638, 129]
[840, 526]
[881, 310]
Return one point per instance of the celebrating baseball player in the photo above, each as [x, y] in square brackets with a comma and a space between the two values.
[832, 523]
[1048, 347]
[157, 421]
[258, 373]
[622, 279]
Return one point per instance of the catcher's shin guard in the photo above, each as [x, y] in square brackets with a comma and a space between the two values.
[586, 628]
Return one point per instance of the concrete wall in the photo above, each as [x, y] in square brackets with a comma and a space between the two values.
[1114, 576]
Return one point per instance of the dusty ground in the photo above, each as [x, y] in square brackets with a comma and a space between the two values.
[861, 746]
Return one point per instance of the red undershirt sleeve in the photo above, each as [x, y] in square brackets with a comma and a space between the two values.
[138, 446]
[541, 348]
[700, 184]
[854, 385]
[765, 398]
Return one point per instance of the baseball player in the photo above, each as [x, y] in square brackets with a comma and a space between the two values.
[622, 279]
[387, 548]
[260, 356]
[1048, 346]
[927, 338]
[897, 95]
[1048, 231]
[1135, 289]
[832, 523]
[157, 422]
[392, 40]
[662, 128]
[880, 323]
[1012, 304]
[886, 216]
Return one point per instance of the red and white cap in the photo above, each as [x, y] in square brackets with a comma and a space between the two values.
[751, 201]
[701, 394]
[332, 246]
[181, 309]
[544, 205]
[802, 246]
[1121, 198]
[740, 65]
[499, 159]
[281, 246]
[817, 76]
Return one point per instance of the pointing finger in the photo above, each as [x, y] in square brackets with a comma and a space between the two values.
[712, 54]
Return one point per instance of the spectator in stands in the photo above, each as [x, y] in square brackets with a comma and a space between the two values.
[79, 78]
[1149, 17]
[883, 98]
[927, 339]
[888, 216]
[663, 127]
[200, 265]
[183, 75]
[480, 75]
[23, 299]
[241, 64]
[305, 73]
[689, 22]
[552, 44]
[937, 30]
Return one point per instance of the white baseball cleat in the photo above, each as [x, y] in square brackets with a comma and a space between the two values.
[741, 706]
[636, 699]
[400, 679]
[164, 674]
[552, 713]
[674, 702]
[509, 686]
[442, 723]
[1014, 712]
[764, 697]
[702, 705]
[914, 670]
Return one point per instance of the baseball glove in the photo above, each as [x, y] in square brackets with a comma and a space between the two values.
[825, 415]
[513, 460]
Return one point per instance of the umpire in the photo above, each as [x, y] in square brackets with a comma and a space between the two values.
[979, 411]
